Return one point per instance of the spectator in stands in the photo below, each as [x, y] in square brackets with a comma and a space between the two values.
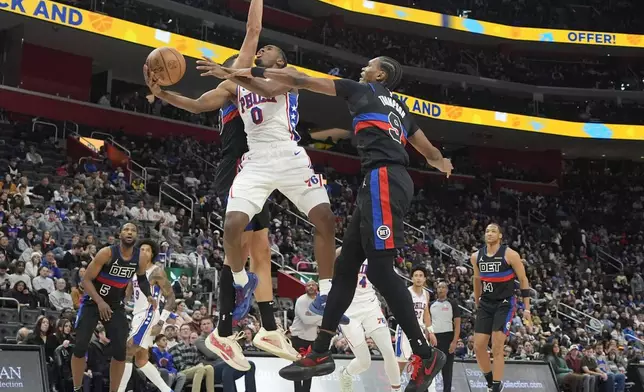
[198, 258]
[47, 243]
[170, 332]
[164, 361]
[33, 261]
[43, 282]
[224, 374]
[99, 354]
[63, 332]
[51, 225]
[637, 285]
[50, 262]
[5, 247]
[565, 376]
[44, 190]
[23, 295]
[33, 157]
[71, 258]
[589, 366]
[139, 212]
[19, 275]
[155, 213]
[187, 360]
[183, 318]
[602, 362]
[61, 299]
[43, 335]
[181, 289]
[305, 325]
[22, 334]
[121, 211]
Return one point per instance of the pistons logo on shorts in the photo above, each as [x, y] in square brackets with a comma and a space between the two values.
[383, 232]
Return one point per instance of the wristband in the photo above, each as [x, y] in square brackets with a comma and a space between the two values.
[258, 72]
[430, 329]
[526, 293]
[164, 315]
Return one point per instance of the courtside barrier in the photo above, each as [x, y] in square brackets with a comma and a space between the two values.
[524, 376]
[22, 368]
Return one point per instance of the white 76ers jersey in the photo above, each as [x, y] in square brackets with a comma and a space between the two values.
[268, 120]
[364, 292]
[141, 303]
[420, 302]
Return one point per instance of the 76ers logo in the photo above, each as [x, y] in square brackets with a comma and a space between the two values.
[383, 232]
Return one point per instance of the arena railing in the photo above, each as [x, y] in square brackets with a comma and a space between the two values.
[73, 130]
[604, 257]
[573, 314]
[45, 124]
[173, 198]
[143, 175]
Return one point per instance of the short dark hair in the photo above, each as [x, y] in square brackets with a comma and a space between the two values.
[230, 60]
[121, 228]
[153, 245]
[394, 72]
[498, 226]
[283, 55]
[158, 337]
[419, 268]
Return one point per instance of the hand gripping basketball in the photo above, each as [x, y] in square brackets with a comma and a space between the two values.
[151, 80]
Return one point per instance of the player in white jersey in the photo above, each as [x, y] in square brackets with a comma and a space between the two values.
[367, 320]
[420, 297]
[274, 161]
[146, 321]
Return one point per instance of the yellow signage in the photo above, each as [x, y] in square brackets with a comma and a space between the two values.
[488, 28]
[151, 37]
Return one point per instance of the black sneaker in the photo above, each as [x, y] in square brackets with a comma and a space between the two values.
[311, 365]
[423, 371]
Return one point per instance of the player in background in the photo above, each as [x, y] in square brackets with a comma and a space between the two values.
[420, 298]
[496, 267]
[146, 321]
[382, 127]
[367, 319]
[274, 162]
[104, 283]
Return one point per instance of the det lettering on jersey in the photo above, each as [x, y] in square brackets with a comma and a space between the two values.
[494, 266]
[250, 100]
[122, 272]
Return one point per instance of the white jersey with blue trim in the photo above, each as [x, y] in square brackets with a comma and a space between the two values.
[141, 304]
[268, 120]
[420, 303]
[364, 292]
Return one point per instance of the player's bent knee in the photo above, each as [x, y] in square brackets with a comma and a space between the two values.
[235, 223]
[323, 219]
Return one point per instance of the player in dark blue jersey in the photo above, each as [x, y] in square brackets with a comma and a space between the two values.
[105, 282]
[382, 127]
[496, 269]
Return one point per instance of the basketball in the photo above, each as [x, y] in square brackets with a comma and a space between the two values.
[167, 64]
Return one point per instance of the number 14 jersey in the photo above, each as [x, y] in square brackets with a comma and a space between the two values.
[497, 276]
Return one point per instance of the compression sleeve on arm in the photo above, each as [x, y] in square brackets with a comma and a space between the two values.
[144, 284]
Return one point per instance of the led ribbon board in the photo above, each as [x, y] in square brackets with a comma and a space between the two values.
[474, 26]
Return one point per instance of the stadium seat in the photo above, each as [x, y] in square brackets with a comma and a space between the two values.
[29, 316]
[9, 331]
[8, 315]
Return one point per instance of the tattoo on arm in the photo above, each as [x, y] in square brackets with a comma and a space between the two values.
[159, 278]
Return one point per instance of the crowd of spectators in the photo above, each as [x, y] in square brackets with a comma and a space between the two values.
[52, 230]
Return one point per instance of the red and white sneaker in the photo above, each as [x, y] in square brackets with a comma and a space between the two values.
[228, 349]
[276, 343]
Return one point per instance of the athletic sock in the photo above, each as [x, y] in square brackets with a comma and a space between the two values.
[240, 278]
[489, 379]
[325, 286]
[266, 312]
[226, 302]
[152, 374]
[127, 373]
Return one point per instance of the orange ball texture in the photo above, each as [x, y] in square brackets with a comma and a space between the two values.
[167, 64]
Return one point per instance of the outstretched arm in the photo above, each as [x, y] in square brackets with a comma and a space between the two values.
[432, 154]
[253, 30]
[210, 101]
[289, 77]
